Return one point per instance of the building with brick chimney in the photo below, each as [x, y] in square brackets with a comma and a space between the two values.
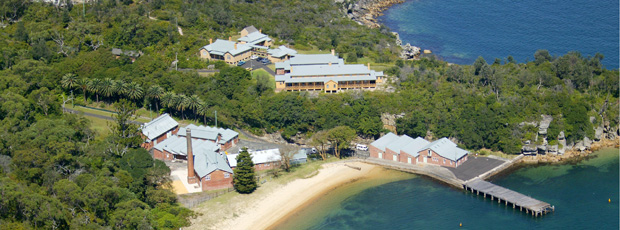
[224, 138]
[263, 159]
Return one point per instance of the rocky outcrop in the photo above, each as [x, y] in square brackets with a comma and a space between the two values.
[365, 12]
[389, 121]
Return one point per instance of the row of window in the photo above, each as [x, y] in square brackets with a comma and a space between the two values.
[226, 175]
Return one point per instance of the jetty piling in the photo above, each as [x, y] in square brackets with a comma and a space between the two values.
[532, 206]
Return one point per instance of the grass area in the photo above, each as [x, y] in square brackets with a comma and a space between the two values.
[272, 66]
[143, 114]
[262, 72]
[100, 126]
[314, 50]
[487, 152]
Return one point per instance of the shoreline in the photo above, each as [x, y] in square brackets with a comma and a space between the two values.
[269, 208]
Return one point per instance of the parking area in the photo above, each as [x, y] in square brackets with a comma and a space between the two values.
[254, 64]
[475, 166]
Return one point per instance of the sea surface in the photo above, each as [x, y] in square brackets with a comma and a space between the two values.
[579, 192]
[460, 31]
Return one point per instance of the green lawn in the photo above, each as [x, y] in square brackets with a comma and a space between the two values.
[259, 72]
[100, 126]
[143, 114]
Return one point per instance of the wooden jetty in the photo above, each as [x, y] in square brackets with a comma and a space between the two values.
[530, 205]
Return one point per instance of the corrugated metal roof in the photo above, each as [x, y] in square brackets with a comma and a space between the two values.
[413, 147]
[382, 142]
[208, 162]
[281, 51]
[446, 148]
[254, 38]
[178, 145]
[323, 79]
[399, 143]
[283, 65]
[313, 59]
[258, 157]
[250, 29]
[221, 47]
[158, 126]
[209, 133]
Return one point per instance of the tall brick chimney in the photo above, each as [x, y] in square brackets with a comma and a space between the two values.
[191, 176]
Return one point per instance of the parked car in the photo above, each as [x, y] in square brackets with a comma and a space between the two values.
[241, 63]
[361, 147]
[254, 57]
[260, 59]
[266, 61]
[249, 69]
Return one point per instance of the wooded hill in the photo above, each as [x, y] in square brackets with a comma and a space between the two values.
[54, 174]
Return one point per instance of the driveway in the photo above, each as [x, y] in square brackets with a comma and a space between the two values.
[257, 65]
[475, 166]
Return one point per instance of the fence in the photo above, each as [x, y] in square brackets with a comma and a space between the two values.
[193, 200]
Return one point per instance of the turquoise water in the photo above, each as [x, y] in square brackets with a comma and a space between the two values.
[579, 191]
[460, 31]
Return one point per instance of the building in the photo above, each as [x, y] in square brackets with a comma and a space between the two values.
[206, 165]
[281, 54]
[158, 130]
[224, 138]
[132, 54]
[408, 150]
[301, 156]
[263, 159]
[324, 72]
[251, 42]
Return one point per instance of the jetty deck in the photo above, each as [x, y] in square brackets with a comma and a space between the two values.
[530, 205]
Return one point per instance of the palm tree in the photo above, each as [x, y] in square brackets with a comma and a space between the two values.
[95, 87]
[119, 87]
[193, 103]
[69, 81]
[167, 99]
[134, 91]
[181, 103]
[203, 110]
[107, 87]
[83, 83]
[155, 92]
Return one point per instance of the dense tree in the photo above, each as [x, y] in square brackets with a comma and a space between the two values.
[243, 174]
[340, 137]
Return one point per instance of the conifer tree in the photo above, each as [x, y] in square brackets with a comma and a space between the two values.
[243, 175]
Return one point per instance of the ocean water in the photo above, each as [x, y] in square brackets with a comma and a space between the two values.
[460, 31]
[579, 191]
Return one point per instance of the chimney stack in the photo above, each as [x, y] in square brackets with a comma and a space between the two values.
[333, 52]
[260, 30]
[330, 63]
[191, 177]
[210, 40]
[369, 66]
[229, 38]
[235, 45]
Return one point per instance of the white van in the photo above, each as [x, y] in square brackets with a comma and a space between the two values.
[361, 147]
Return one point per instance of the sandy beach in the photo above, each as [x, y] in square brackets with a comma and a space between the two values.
[266, 207]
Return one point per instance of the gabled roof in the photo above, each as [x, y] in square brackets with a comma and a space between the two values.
[399, 143]
[258, 157]
[254, 38]
[314, 59]
[281, 52]
[446, 148]
[208, 162]
[117, 51]
[250, 29]
[158, 126]
[413, 147]
[209, 133]
[178, 145]
[382, 142]
[221, 47]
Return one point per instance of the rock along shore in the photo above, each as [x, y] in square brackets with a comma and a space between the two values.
[365, 12]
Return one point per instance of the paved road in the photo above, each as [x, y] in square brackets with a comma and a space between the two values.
[257, 65]
[475, 166]
[97, 116]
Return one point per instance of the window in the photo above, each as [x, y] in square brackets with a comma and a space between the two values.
[226, 175]
[208, 177]
[328, 86]
[430, 153]
[444, 161]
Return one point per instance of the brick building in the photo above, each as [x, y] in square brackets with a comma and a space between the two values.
[158, 130]
[224, 138]
[408, 150]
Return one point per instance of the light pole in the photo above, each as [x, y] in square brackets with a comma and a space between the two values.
[215, 118]
[150, 112]
[72, 106]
